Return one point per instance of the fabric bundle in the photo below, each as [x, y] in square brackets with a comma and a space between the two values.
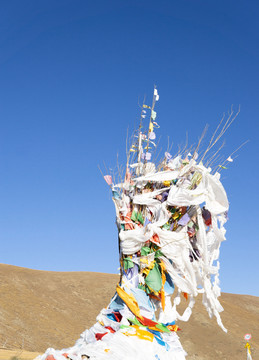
[171, 224]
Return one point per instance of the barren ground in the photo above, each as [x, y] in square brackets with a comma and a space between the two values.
[41, 309]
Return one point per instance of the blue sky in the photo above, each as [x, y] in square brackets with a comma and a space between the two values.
[71, 76]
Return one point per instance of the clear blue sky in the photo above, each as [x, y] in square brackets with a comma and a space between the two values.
[71, 74]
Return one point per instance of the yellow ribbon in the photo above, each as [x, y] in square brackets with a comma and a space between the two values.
[141, 333]
[248, 346]
[129, 300]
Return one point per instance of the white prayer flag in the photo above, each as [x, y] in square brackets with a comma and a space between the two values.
[156, 95]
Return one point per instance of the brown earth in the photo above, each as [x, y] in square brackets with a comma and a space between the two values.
[17, 354]
[41, 309]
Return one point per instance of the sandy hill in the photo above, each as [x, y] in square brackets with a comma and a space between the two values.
[41, 309]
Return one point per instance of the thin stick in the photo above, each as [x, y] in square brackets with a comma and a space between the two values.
[200, 140]
[150, 120]
[243, 144]
[227, 124]
[213, 156]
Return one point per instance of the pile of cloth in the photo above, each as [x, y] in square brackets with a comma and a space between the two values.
[170, 220]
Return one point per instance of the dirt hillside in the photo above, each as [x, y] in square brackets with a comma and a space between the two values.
[41, 309]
